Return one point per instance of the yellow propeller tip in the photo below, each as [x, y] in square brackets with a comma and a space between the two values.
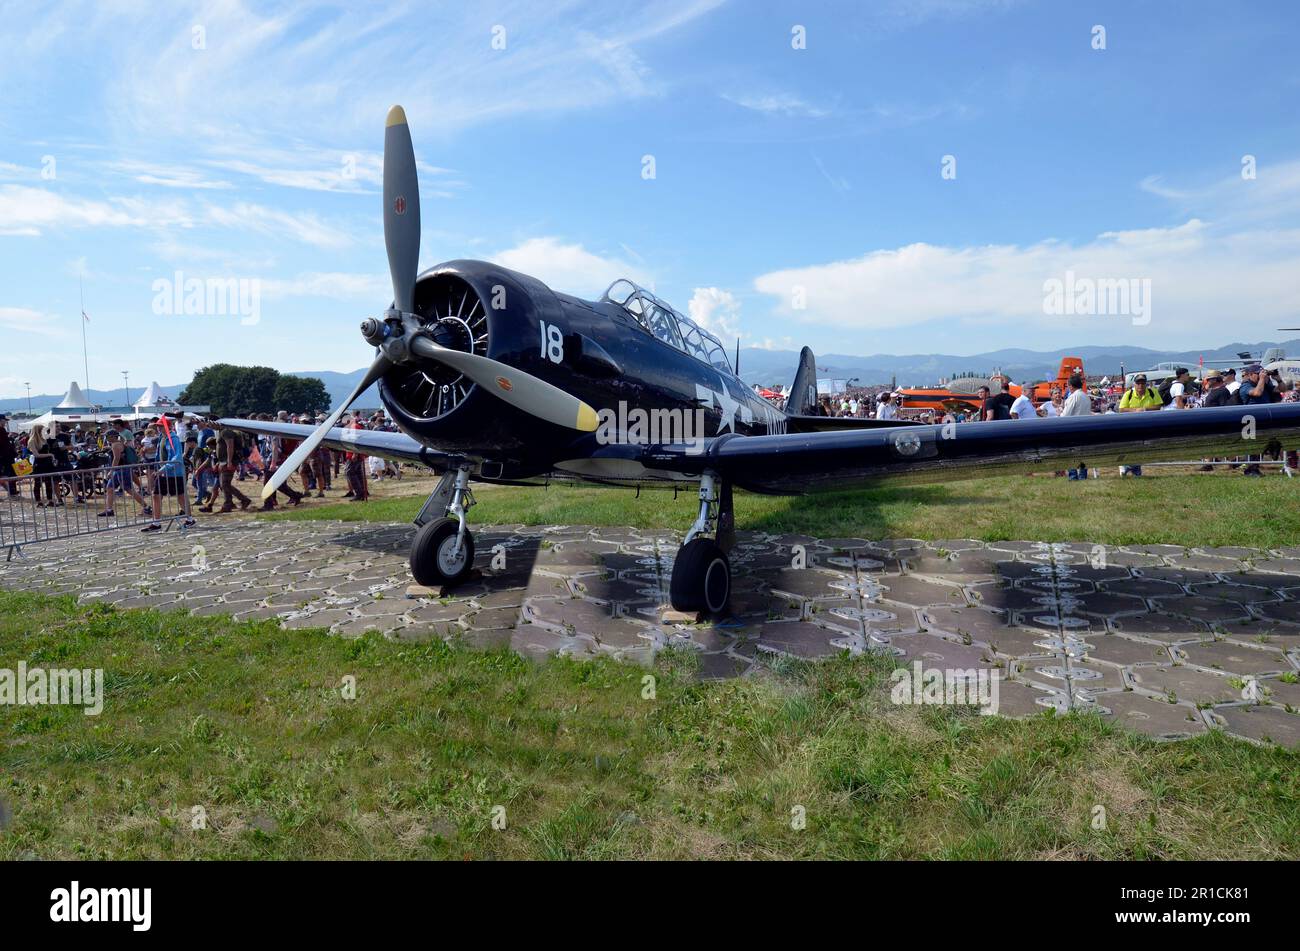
[267, 492]
[396, 116]
[587, 419]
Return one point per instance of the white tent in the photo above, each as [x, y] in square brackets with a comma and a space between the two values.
[74, 399]
[153, 398]
[74, 408]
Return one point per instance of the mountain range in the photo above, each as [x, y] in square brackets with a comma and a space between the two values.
[770, 367]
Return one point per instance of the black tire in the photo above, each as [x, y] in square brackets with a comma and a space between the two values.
[431, 563]
[701, 578]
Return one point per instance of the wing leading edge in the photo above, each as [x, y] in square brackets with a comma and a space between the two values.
[396, 446]
[798, 462]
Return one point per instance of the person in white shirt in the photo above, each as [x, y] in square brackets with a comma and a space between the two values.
[1078, 403]
[888, 408]
[1023, 407]
[1053, 406]
[1230, 380]
[1178, 394]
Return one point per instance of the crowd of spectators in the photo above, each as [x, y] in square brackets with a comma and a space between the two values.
[995, 401]
[174, 456]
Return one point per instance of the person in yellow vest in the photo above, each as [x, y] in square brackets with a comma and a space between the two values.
[1139, 399]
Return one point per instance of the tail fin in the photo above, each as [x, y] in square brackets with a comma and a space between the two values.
[1069, 367]
[803, 391]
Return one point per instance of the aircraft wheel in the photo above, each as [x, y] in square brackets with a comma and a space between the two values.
[434, 561]
[701, 578]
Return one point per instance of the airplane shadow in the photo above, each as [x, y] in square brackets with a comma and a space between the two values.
[862, 513]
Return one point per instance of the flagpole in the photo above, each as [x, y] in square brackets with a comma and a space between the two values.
[84, 354]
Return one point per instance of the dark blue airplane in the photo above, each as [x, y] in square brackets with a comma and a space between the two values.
[493, 376]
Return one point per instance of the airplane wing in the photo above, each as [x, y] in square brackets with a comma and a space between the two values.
[396, 446]
[816, 424]
[799, 462]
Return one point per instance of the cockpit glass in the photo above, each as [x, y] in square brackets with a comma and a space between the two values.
[620, 291]
[666, 324]
[663, 324]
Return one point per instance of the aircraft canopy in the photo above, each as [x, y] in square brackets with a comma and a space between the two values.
[671, 326]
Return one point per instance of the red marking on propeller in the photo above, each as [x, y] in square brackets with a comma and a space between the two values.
[399, 205]
[504, 383]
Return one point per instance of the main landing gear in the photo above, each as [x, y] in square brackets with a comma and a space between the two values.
[442, 553]
[701, 579]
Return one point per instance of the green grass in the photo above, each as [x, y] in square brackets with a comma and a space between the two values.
[247, 721]
[1165, 509]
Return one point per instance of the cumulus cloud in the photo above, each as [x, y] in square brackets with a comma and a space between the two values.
[717, 311]
[570, 268]
[1202, 279]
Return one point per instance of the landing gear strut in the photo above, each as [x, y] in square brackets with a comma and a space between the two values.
[701, 579]
[442, 553]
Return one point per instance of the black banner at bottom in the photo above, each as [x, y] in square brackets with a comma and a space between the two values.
[220, 899]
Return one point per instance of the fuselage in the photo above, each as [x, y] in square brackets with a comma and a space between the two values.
[635, 371]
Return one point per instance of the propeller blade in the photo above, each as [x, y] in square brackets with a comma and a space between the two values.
[401, 209]
[308, 445]
[521, 390]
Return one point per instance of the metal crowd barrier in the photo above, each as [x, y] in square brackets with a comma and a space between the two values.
[49, 506]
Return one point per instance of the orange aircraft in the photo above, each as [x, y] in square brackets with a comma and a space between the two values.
[962, 393]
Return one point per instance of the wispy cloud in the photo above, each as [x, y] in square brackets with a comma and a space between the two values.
[27, 321]
[1272, 195]
[782, 104]
[837, 182]
[168, 176]
[30, 211]
[333, 285]
[307, 227]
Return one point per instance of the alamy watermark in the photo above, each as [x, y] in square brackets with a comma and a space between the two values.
[944, 686]
[642, 427]
[209, 297]
[1098, 297]
[37, 686]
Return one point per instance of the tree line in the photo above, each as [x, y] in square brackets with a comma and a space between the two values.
[242, 391]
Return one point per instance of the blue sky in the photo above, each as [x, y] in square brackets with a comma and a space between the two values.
[256, 158]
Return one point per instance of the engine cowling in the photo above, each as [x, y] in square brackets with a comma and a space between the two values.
[452, 313]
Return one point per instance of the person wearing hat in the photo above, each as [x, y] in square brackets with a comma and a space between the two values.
[1230, 380]
[1140, 397]
[1217, 392]
[1023, 407]
[1258, 388]
[889, 406]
